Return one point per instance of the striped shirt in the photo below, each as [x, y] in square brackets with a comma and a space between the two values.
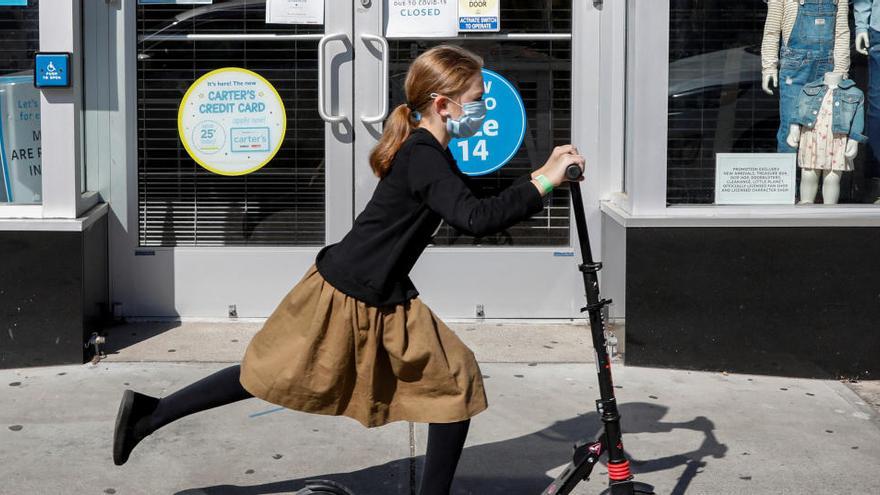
[781, 16]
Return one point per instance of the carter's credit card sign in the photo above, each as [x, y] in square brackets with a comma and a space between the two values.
[231, 121]
[52, 70]
[479, 15]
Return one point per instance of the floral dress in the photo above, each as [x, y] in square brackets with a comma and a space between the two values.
[820, 148]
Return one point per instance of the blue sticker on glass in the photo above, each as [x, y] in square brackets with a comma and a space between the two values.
[13, 3]
[52, 70]
[478, 23]
[502, 133]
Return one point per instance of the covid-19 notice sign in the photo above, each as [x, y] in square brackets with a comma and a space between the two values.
[421, 18]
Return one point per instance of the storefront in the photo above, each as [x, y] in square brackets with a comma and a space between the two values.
[652, 92]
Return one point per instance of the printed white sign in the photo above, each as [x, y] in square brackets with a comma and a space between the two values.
[421, 18]
[479, 15]
[21, 174]
[231, 121]
[755, 178]
[295, 12]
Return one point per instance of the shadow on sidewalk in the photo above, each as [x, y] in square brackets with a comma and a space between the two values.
[519, 465]
[123, 335]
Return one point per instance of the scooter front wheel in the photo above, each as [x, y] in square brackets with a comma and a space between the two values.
[638, 489]
[324, 487]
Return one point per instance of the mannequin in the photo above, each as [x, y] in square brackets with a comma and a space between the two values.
[866, 36]
[862, 43]
[831, 178]
[803, 39]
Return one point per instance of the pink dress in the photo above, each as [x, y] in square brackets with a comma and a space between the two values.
[820, 148]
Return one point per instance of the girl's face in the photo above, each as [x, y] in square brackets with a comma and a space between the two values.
[473, 92]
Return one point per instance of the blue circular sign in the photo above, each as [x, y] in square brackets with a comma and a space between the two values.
[502, 132]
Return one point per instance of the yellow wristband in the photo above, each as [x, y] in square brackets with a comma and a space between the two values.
[545, 183]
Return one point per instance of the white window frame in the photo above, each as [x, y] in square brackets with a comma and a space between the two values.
[644, 203]
[61, 123]
[612, 145]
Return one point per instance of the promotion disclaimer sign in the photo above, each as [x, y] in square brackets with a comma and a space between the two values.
[754, 178]
[231, 121]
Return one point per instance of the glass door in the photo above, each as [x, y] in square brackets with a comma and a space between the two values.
[198, 243]
[530, 269]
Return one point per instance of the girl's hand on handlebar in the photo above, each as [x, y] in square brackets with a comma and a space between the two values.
[560, 159]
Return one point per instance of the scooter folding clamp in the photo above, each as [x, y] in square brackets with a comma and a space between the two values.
[601, 403]
[590, 267]
[599, 305]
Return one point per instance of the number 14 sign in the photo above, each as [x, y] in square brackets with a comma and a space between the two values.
[502, 132]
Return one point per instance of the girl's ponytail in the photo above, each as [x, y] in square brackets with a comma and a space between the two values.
[444, 69]
[398, 126]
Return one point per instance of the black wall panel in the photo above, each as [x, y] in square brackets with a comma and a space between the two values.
[781, 301]
[53, 291]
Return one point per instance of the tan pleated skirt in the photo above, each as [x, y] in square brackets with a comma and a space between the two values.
[322, 351]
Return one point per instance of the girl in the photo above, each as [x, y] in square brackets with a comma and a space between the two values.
[352, 337]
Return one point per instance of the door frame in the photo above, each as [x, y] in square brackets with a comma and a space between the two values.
[201, 282]
[545, 282]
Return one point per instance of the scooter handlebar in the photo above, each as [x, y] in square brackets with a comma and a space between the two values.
[573, 172]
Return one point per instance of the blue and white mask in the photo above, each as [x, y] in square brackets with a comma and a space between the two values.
[473, 115]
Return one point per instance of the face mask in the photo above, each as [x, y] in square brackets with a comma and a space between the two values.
[473, 114]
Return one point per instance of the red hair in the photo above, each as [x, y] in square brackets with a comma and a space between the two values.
[443, 69]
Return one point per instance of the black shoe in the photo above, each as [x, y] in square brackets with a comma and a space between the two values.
[132, 408]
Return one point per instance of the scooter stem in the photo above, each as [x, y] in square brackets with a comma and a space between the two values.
[606, 405]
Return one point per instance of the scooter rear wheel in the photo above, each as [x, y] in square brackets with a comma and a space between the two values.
[638, 489]
[324, 487]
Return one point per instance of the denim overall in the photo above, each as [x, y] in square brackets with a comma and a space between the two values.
[872, 107]
[807, 56]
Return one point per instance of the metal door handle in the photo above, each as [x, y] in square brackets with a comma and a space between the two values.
[328, 117]
[386, 54]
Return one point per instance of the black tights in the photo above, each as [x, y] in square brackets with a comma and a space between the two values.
[445, 440]
[214, 390]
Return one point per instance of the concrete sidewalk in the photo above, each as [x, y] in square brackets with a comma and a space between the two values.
[688, 432]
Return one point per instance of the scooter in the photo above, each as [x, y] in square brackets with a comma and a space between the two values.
[586, 453]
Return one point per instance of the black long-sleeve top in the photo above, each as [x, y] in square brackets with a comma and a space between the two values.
[424, 186]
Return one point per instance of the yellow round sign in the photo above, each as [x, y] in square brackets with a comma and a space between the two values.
[231, 121]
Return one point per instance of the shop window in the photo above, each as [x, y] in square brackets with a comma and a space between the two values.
[719, 57]
[20, 160]
[540, 69]
[181, 203]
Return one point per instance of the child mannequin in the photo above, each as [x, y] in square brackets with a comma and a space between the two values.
[810, 141]
[802, 40]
